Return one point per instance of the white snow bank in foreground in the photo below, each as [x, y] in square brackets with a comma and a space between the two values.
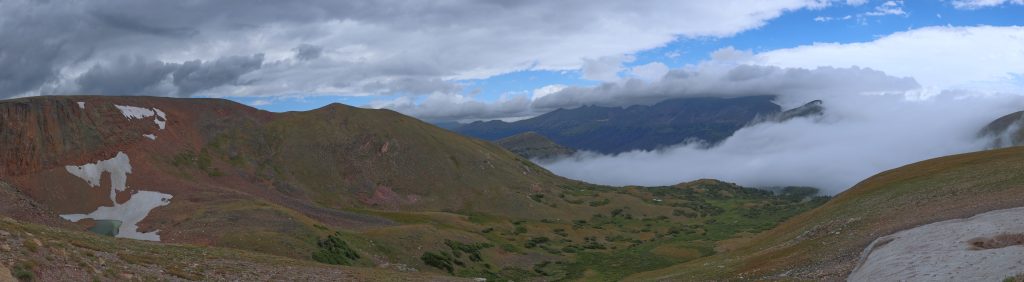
[132, 112]
[946, 251]
[131, 212]
[150, 136]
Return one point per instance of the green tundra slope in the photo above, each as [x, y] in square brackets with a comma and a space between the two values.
[825, 243]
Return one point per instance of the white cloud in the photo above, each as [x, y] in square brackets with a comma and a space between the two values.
[649, 72]
[985, 59]
[723, 77]
[978, 4]
[856, 2]
[970, 76]
[606, 68]
[260, 102]
[547, 90]
[982, 57]
[888, 8]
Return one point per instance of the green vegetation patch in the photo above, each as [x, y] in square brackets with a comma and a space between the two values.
[333, 250]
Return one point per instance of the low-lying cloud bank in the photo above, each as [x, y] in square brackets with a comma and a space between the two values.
[899, 99]
[859, 136]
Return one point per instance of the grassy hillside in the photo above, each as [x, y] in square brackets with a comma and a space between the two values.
[825, 243]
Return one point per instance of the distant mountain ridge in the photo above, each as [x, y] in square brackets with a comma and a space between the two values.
[1005, 131]
[619, 129]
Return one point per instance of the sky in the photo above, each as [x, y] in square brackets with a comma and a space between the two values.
[887, 70]
[437, 60]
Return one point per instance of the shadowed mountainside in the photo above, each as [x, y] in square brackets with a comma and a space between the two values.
[617, 129]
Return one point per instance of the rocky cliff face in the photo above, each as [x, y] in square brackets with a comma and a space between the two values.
[39, 134]
[42, 133]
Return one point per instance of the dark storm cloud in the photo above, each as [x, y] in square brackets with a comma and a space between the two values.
[140, 26]
[306, 52]
[24, 67]
[66, 47]
[125, 76]
[195, 76]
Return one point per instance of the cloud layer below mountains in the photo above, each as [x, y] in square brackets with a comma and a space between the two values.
[900, 99]
[859, 136]
[936, 92]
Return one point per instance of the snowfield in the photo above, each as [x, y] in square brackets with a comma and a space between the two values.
[119, 167]
[985, 247]
[132, 112]
[131, 212]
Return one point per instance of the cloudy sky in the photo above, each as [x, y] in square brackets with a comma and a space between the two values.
[466, 60]
[902, 81]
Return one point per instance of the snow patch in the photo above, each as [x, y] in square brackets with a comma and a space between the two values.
[946, 251]
[131, 212]
[150, 136]
[119, 167]
[81, 105]
[132, 112]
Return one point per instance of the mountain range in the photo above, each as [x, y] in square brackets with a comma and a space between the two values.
[375, 191]
[145, 188]
[612, 130]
